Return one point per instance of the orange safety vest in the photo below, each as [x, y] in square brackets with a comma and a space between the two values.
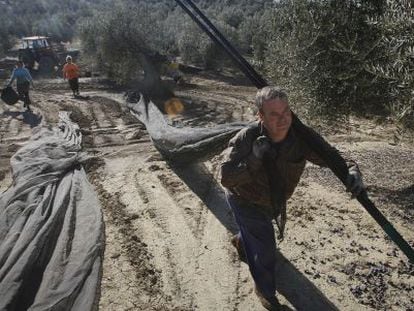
[70, 71]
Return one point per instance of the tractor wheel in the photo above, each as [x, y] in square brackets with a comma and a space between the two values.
[47, 67]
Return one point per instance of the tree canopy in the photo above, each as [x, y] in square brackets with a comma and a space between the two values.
[334, 57]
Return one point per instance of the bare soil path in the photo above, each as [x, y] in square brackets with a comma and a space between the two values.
[168, 227]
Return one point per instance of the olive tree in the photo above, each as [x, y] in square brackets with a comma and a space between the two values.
[125, 43]
[396, 67]
[322, 50]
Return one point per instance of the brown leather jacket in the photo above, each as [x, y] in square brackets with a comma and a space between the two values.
[245, 177]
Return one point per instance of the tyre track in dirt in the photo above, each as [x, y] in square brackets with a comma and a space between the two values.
[130, 280]
[217, 217]
[134, 273]
[15, 129]
[169, 226]
[182, 247]
[182, 278]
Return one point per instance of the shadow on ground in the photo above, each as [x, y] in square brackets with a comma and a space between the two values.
[27, 117]
[403, 197]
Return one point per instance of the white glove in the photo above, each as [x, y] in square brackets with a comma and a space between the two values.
[354, 182]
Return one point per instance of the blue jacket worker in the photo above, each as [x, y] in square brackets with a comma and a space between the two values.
[23, 82]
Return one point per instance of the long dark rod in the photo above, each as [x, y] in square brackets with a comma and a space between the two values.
[261, 82]
[222, 44]
[336, 164]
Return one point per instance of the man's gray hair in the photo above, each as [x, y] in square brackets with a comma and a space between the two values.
[268, 93]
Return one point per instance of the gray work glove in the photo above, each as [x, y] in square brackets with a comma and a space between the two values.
[260, 146]
[354, 182]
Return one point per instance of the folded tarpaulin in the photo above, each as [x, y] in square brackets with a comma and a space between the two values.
[51, 226]
[181, 145]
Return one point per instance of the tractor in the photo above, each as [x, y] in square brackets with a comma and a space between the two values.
[41, 57]
[38, 55]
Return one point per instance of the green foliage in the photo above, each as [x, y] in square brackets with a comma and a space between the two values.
[320, 51]
[342, 57]
[196, 47]
[334, 57]
[54, 18]
[397, 65]
[118, 40]
[5, 43]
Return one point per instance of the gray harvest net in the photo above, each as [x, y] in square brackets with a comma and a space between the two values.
[51, 226]
[181, 145]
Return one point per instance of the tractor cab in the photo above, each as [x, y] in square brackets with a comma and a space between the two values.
[35, 43]
[38, 55]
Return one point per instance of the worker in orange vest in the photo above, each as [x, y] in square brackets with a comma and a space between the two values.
[71, 72]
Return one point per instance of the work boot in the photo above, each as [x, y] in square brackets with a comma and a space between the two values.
[237, 243]
[270, 303]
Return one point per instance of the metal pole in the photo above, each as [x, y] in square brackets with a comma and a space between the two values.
[260, 81]
[225, 45]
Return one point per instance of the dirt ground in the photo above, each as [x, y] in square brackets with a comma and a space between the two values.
[168, 227]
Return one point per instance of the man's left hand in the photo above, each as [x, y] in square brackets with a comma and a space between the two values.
[354, 182]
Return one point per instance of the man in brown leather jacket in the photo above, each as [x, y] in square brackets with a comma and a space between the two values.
[263, 165]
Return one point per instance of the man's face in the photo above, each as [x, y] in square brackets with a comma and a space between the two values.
[276, 117]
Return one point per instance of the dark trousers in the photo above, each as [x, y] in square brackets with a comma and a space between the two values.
[74, 85]
[258, 238]
[23, 91]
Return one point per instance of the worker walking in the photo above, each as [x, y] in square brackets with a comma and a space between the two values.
[174, 71]
[23, 82]
[263, 165]
[71, 73]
